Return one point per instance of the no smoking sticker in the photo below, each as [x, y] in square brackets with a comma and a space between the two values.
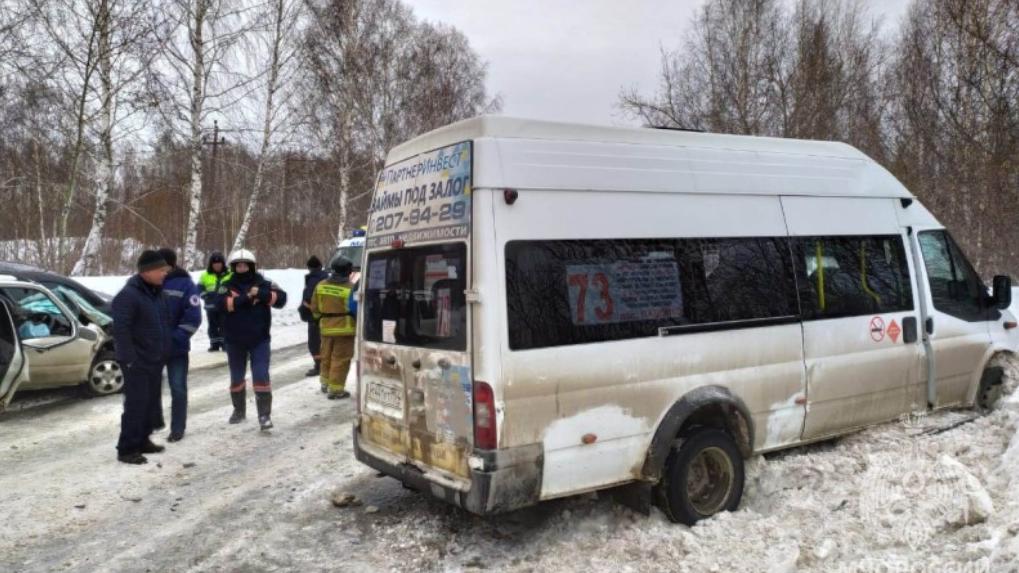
[877, 329]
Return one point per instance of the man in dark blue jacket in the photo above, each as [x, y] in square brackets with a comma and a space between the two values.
[315, 275]
[142, 337]
[245, 301]
[184, 303]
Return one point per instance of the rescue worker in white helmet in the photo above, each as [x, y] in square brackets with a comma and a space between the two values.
[335, 307]
[245, 299]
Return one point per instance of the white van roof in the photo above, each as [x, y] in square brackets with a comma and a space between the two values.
[537, 154]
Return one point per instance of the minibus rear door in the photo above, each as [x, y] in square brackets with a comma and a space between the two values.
[416, 375]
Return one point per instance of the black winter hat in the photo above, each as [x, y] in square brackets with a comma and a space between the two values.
[314, 263]
[217, 257]
[341, 266]
[150, 260]
[169, 256]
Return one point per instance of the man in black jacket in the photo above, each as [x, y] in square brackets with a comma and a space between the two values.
[142, 338]
[315, 275]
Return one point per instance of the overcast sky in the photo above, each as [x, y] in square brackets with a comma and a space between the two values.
[568, 59]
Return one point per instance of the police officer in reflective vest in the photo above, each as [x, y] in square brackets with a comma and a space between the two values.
[335, 307]
[208, 285]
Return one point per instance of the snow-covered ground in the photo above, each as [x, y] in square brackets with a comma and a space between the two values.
[903, 496]
[929, 493]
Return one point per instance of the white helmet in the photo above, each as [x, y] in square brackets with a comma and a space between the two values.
[241, 256]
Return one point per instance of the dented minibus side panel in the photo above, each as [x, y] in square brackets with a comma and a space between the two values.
[860, 366]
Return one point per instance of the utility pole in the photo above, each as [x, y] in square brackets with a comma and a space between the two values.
[215, 143]
[288, 228]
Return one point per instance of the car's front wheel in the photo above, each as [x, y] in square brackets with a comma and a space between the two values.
[105, 377]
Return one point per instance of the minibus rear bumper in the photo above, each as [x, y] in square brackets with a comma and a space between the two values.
[500, 480]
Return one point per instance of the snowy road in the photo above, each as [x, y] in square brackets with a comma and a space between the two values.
[228, 498]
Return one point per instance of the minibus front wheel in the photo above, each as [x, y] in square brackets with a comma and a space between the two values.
[990, 389]
[704, 475]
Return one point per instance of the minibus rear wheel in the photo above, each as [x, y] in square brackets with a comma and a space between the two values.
[703, 476]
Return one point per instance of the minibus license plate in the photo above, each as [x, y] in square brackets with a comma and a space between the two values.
[385, 397]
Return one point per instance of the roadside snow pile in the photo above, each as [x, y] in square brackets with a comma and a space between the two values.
[288, 329]
[904, 496]
[1006, 480]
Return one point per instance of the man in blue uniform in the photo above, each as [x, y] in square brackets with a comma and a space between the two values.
[184, 304]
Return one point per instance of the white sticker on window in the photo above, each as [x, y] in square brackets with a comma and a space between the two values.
[389, 331]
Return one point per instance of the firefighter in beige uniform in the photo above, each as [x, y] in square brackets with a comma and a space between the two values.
[334, 306]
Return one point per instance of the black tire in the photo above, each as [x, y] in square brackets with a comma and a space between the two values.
[712, 455]
[104, 376]
[990, 389]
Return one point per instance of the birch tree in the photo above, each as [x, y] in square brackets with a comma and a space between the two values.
[69, 61]
[195, 78]
[811, 71]
[92, 52]
[955, 121]
[377, 77]
[728, 76]
[125, 48]
[284, 18]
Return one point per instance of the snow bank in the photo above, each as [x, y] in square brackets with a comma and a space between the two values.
[287, 328]
[29, 251]
[897, 497]
[1006, 480]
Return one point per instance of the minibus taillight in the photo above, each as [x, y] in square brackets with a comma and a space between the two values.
[484, 416]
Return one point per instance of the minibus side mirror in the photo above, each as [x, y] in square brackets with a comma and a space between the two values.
[1002, 292]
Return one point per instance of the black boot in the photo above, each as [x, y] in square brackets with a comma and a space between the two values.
[134, 458]
[316, 370]
[149, 448]
[239, 399]
[263, 400]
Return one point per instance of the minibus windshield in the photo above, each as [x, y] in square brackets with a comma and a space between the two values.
[415, 297]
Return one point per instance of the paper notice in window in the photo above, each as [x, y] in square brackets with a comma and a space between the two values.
[624, 291]
[389, 331]
[377, 275]
[443, 309]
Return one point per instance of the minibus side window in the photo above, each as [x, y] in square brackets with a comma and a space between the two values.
[956, 288]
[744, 279]
[852, 276]
[581, 291]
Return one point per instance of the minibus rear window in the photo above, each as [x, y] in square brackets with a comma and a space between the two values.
[415, 297]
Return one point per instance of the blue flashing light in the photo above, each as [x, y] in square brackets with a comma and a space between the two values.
[358, 233]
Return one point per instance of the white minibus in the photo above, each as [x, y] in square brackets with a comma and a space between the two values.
[549, 309]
